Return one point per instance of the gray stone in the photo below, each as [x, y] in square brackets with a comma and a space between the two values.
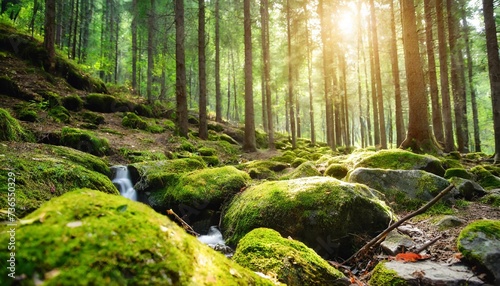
[468, 189]
[395, 243]
[430, 273]
[450, 221]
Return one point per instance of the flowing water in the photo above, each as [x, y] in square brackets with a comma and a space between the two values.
[123, 183]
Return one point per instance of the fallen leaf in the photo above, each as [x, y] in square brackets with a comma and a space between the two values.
[411, 257]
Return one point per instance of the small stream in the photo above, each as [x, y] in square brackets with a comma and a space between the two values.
[123, 182]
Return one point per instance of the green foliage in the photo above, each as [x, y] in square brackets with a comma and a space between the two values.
[72, 102]
[60, 114]
[11, 129]
[292, 262]
[85, 141]
[91, 238]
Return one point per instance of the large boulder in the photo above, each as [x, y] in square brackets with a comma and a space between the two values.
[306, 169]
[290, 261]
[86, 237]
[37, 173]
[322, 212]
[408, 189]
[397, 159]
[479, 242]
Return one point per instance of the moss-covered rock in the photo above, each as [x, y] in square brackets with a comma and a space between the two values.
[493, 198]
[107, 103]
[468, 189]
[287, 157]
[144, 110]
[206, 151]
[479, 242]
[11, 129]
[322, 212]
[215, 127]
[457, 172]
[485, 178]
[227, 138]
[403, 189]
[387, 277]
[27, 112]
[212, 161]
[85, 141]
[10, 88]
[397, 159]
[51, 99]
[263, 169]
[297, 162]
[131, 120]
[72, 102]
[60, 114]
[136, 156]
[46, 171]
[306, 169]
[337, 171]
[289, 261]
[90, 238]
[92, 117]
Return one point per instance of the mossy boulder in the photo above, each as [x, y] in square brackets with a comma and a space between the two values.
[11, 129]
[485, 178]
[206, 151]
[493, 198]
[10, 88]
[144, 110]
[306, 169]
[136, 156]
[457, 172]
[86, 237]
[468, 189]
[212, 161]
[107, 104]
[45, 171]
[322, 212]
[27, 112]
[297, 162]
[289, 261]
[479, 242]
[92, 117]
[403, 189]
[397, 159]
[85, 141]
[131, 120]
[287, 157]
[60, 114]
[337, 171]
[263, 169]
[72, 102]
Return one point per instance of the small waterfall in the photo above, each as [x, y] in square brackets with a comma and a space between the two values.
[123, 183]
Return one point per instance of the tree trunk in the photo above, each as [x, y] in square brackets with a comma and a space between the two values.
[202, 73]
[134, 44]
[49, 36]
[290, 77]
[75, 29]
[378, 77]
[376, 125]
[249, 144]
[218, 95]
[418, 137]
[151, 46]
[437, 119]
[449, 144]
[400, 132]
[180, 78]
[360, 90]
[267, 74]
[494, 69]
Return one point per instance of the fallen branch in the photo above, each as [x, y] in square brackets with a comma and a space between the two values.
[184, 224]
[425, 246]
[383, 234]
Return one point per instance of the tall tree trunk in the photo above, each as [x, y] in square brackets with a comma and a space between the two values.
[134, 44]
[437, 119]
[418, 137]
[218, 95]
[228, 86]
[249, 144]
[290, 76]
[33, 17]
[457, 86]
[202, 73]
[378, 77]
[263, 76]
[494, 69]
[49, 36]
[151, 46]
[473, 99]
[87, 17]
[400, 132]
[75, 29]
[358, 66]
[180, 67]
[309, 76]
[267, 74]
[345, 102]
[449, 144]
[376, 125]
[235, 89]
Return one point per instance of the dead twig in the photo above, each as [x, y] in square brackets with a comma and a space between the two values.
[383, 234]
[425, 246]
[184, 224]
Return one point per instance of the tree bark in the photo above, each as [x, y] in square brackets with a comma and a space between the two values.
[418, 137]
[400, 132]
[49, 36]
[494, 69]
[180, 78]
[134, 44]
[249, 144]
[202, 73]
[291, 59]
[218, 95]
[151, 43]
[267, 73]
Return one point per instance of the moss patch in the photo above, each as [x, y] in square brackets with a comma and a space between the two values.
[457, 172]
[85, 141]
[11, 129]
[72, 102]
[60, 114]
[90, 238]
[337, 171]
[45, 171]
[485, 178]
[383, 276]
[131, 120]
[290, 261]
[306, 169]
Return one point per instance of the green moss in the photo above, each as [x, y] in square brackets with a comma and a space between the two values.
[457, 172]
[72, 102]
[263, 169]
[211, 161]
[11, 129]
[337, 171]
[227, 138]
[287, 157]
[187, 146]
[471, 241]
[485, 178]
[297, 162]
[261, 140]
[491, 199]
[91, 238]
[60, 114]
[205, 151]
[46, 171]
[215, 127]
[451, 163]
[306, 169]
[136, 156]
[155, 129]
[290, 261]
[100, 102]
[10, 88]
[144, 110]
[92, 117]
[397, 159]
[85, 141]
[169, 124]
[387, 277]
[131, 120]
[53, 99]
